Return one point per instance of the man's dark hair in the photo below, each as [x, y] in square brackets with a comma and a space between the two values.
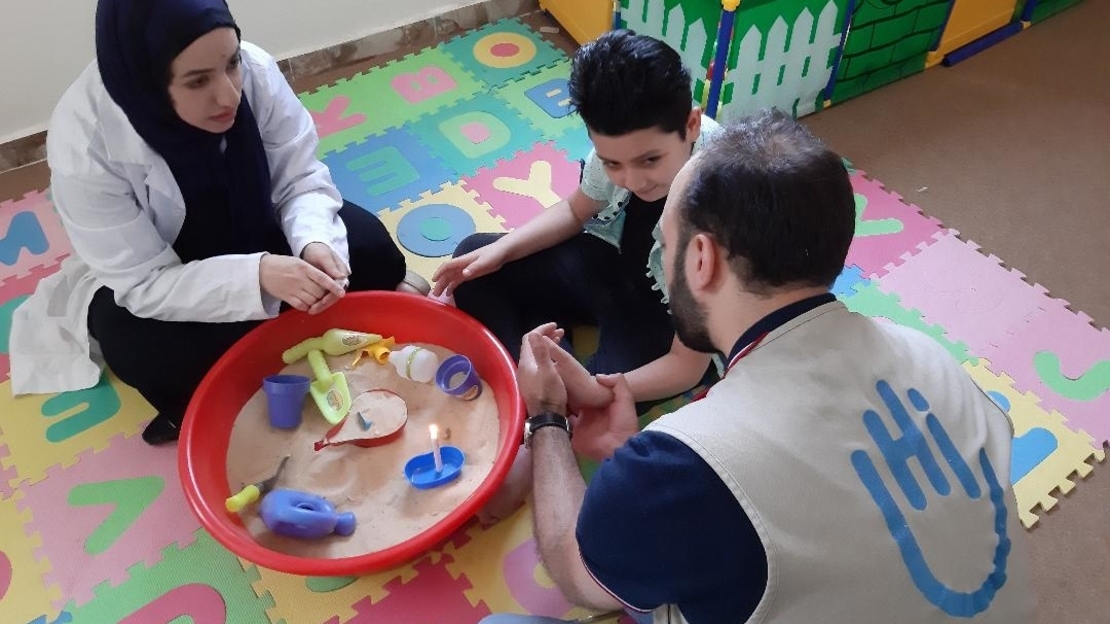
[775, 198]
[622, 82]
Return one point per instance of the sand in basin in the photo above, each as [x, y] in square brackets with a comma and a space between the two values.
[367, 481]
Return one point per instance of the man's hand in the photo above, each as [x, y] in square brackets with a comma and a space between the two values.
[598, 432]
[539, 381]
[550, 330]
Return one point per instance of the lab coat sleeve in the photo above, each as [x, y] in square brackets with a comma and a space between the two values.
[123, 249]
[303, 192]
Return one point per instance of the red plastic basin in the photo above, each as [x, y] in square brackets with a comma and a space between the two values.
[202, 449]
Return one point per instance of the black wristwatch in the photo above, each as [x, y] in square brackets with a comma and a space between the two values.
[532, 424]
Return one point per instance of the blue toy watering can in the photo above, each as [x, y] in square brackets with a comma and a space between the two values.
[293, 513]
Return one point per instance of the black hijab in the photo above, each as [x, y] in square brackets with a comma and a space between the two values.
[227, 191]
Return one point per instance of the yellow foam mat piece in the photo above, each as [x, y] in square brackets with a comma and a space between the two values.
[41, 431]
[298, 597]
[23, 597]
[1054, 473]
[451, 195]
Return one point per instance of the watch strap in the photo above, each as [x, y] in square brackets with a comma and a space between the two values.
[541, 420]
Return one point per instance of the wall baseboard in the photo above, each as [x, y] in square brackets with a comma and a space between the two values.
[23, 151]
[314, 69]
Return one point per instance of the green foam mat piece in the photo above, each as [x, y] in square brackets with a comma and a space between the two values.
[394, 95]
[474, 134]
[201, 583]
[502, 51]
[576, 144]
[870, 301]
[536, 96]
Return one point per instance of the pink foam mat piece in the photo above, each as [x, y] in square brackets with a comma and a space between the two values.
[25, 224]
[520, 565]
[520, 188]
[334, 118]
[971, 295]
[18, 286]
[433, 596]
[887, 227]
[1065, 361]
[64, 528]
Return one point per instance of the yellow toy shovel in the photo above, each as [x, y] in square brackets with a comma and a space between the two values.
[254, 491]
[330, 390]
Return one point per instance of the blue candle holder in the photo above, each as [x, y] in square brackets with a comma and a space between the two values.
[421, 470]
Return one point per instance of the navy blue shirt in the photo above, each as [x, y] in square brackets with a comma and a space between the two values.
[658, 526]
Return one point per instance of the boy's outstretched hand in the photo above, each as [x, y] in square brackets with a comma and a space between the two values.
[477, 263]
[583, 389]
[598, 432]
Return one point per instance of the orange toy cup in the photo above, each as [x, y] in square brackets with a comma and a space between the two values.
[202, 448]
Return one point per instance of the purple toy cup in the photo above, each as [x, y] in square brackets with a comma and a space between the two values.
[285, 397]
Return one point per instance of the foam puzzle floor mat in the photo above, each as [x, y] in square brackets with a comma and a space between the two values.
[472, 135]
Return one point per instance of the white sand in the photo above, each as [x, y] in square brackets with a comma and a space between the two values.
[367, 481]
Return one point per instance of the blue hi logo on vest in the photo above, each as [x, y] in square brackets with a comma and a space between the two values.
[914, 445]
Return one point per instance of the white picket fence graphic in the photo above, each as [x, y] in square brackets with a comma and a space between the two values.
[670, 26]
[790, 74]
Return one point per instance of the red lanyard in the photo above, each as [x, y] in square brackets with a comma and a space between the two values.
[739, 356]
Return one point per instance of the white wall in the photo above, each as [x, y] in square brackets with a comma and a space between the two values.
[46, 43]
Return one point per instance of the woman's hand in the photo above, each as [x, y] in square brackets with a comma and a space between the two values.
[298, 283]
[322, 257]
[477, 263]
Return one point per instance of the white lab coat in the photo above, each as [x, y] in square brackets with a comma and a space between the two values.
[123, 209]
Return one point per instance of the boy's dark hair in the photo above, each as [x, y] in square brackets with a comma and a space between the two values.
[776, 199]
[622, 82]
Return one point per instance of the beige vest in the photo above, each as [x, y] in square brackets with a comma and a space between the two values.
[852, 445]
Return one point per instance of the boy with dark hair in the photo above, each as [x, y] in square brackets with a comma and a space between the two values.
[594, 258]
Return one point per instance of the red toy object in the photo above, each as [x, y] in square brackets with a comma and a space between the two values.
[377, 417]
[202, 448]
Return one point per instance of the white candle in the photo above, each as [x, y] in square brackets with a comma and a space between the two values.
[434, 431]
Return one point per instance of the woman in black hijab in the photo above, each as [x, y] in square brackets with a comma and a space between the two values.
[184, 169]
